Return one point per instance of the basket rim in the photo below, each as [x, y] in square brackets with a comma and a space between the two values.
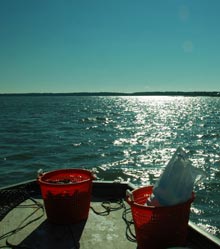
[150, 187]
[86, 172]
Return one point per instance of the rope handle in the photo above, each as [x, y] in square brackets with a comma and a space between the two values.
[40, 173]
[129, 196]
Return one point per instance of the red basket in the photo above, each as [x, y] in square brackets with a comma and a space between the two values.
[158, 227]
[66, 194]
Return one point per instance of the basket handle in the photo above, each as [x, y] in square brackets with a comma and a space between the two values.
[40, 173]
[129, 196]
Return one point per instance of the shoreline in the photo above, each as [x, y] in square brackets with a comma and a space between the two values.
[156, 93]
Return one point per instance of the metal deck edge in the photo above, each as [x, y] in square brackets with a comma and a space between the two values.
[202, 233]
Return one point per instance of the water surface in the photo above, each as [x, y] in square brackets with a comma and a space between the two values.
[120, 138]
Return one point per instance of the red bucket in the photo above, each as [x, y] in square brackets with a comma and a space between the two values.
[66, 194]
[158, 227]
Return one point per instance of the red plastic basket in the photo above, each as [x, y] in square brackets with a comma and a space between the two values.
[158, 227]
[66, 194]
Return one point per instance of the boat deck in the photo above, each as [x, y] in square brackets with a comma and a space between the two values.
[106, 229]
[26, 225]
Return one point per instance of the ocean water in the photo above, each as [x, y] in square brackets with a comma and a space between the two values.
[119, 138]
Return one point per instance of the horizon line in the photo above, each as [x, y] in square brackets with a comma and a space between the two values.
[109, 93]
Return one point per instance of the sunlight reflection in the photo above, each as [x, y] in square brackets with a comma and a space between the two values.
[210, 229]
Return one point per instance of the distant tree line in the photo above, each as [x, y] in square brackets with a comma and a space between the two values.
[157, 93]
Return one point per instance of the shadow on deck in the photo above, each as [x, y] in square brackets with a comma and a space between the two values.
[101, 230]
[49, 235]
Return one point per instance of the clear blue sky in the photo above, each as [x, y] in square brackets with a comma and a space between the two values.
[109, 45]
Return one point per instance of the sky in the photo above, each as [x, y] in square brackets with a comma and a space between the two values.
[109, 45]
